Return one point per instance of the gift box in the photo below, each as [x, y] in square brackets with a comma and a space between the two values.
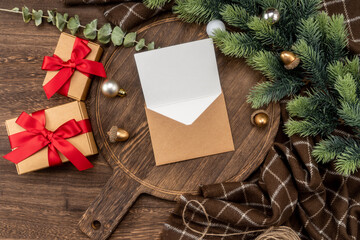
[37, 138]
[76, 59]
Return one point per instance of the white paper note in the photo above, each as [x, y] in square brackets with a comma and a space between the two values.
[180, 82]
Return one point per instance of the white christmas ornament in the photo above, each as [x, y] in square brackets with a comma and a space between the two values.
[213, 25]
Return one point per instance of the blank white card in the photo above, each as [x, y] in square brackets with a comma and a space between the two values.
[181, 81]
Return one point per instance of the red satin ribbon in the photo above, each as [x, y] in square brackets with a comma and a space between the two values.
[61, 82]
[36, 137]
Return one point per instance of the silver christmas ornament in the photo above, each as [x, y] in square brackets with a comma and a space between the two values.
[272, 15]
[110, 88]
[213, 25]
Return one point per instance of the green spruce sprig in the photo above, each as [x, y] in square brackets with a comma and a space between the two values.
[104, 35]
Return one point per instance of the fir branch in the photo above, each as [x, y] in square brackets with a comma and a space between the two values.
[295, 12]
[336, 38]
[310, 127]
[308, 31]
[250, 6]
[340, 68]
[307, 8]
[352, 66]
[300, 106]
[266, 34]
[281, 84]
[335, 70]
[349, 109]
[315, 105]
[330, 148]
[262, 93]
[155, 3]
[349, 160]
[346, 87]
[323, 22]
[272, 91]
[199, 11]
[270, 65]
[235, 16]
[312, 62]
[267, 63]
[270, 4]
[235, 44]
[350, 113]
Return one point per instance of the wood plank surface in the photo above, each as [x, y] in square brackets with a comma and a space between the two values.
[48, 204]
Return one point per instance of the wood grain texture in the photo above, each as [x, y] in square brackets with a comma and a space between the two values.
[48, 204]
[133, 161]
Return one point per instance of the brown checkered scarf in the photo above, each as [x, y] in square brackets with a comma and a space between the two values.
[290, 189]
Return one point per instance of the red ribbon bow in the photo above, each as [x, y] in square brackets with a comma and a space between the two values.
[37, 137]
[60, 83]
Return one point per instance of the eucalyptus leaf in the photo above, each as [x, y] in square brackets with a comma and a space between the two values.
[117, 36]
[104, 33]
[51, 17]
[151, 46]
[90, 30]
[140, 45]
[37, 16]
[130, 39]
[73, 24]
[26, 14]
[15, 9]
[60, 21]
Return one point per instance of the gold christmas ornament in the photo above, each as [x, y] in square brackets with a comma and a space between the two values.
[289, 59]
[260, 118]
[117, 134]
[272, 15]
[110, 88]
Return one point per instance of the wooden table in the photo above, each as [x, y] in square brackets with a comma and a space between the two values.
[48, 204]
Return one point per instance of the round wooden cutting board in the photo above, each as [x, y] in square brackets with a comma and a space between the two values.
[133, 161]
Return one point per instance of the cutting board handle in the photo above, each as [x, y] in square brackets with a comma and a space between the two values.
[110, 206]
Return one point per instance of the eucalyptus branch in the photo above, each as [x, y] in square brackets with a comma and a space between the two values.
[90, 31]
[10, 10]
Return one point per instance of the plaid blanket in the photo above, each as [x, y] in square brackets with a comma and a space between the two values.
[290, 188]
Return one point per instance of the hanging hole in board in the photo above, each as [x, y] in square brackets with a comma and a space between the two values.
[95, 224]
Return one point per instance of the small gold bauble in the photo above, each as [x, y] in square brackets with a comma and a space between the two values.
[272, 15]
[117, 134]
[289, 59]
[260, 118]
[110, 88]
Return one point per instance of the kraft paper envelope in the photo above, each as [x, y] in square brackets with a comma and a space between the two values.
[185, 106]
